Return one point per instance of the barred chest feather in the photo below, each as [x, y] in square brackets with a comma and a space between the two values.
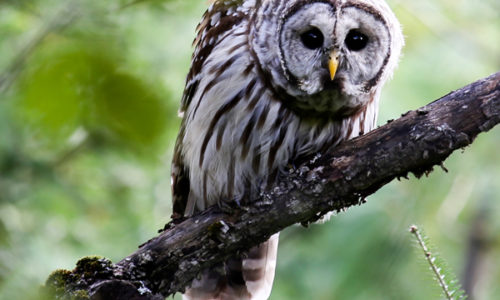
[236, 138]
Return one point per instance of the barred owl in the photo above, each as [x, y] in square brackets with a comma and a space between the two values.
[270, 82]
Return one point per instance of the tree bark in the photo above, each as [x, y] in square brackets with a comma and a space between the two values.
[327, 182]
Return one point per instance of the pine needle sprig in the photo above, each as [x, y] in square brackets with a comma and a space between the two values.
[449, 284]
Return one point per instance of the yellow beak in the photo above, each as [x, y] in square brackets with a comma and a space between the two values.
[333, 64]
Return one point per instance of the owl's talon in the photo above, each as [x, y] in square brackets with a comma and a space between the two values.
[229, 207]
[225, 207]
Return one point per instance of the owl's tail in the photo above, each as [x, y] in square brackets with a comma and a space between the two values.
[239, 278]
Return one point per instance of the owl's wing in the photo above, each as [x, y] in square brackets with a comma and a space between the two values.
[220, 17]
[240, 277]
[180, 179]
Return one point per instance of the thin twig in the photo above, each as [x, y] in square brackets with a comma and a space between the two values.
[58, 22]
[431, 260]
[131, 3]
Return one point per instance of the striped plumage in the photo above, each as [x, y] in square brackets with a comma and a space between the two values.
[263, 90]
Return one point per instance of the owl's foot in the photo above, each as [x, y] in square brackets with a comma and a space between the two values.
[230, 206]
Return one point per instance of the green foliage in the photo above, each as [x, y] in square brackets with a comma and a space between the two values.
[88, 97]
[76, 86]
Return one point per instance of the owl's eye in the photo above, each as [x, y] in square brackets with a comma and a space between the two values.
[356, 41]
[313, 38]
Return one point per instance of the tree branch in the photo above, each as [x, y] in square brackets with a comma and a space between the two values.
[334, 181]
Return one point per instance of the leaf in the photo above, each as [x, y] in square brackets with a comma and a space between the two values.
[83, 87]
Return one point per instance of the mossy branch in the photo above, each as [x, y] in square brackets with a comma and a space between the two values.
[414, 143]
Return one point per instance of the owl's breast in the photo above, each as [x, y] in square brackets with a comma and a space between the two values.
[334, 102]
[239, 146]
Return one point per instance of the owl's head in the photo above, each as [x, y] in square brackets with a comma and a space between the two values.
[328, 56]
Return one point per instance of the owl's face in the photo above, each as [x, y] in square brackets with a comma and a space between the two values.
[333, 55]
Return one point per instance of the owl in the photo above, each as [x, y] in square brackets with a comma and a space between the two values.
[272, 81]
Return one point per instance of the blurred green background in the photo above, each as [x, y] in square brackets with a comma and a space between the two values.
[88, 98]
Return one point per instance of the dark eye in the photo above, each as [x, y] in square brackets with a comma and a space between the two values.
[356, 41]
[312, 39]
